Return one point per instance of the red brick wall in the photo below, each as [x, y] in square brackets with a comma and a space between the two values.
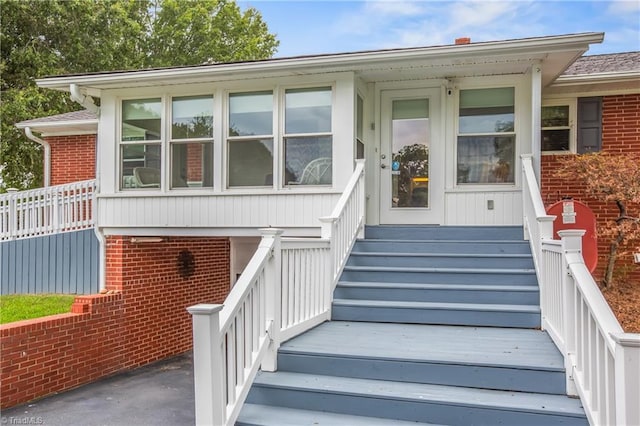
[51, 354]
[144, 321]
[620, 134]
[73, 158]
[156, 296]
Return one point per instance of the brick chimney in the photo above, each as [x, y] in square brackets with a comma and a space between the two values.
[463, 40]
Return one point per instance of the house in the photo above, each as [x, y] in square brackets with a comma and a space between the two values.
[203, 173]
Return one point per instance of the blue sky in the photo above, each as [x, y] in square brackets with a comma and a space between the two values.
[333, 26]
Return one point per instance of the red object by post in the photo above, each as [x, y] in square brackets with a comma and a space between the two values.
[571, 214]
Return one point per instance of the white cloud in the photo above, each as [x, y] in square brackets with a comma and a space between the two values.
[623, 7]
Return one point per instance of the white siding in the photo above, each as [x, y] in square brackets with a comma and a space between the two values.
[235, 211]
[470, 208]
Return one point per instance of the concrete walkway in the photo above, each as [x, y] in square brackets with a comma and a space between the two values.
[158, 394]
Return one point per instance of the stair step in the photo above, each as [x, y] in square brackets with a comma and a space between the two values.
[492, 276]
[413, 401]
[473, 314]
[481, 357]
[444, 246]
[444, 260]
[463, 293]
[264, 415]
[445, 232]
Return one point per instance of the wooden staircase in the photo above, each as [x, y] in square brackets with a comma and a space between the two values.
[434, 325]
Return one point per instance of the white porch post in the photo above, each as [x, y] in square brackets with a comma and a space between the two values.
[273, 296]
[627, 385]
[571, 243]
[536, 112]
[208, 369]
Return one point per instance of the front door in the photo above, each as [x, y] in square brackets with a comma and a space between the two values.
[411, 157]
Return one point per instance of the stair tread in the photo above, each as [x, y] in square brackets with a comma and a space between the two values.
[458, 255]
[437, 305]
[418, 392]
[257, 414]
[481, 346]
[423, 286]
[436, 269]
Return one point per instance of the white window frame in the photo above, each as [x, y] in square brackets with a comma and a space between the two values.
[572, 103]
[170, 141]
[282, 135]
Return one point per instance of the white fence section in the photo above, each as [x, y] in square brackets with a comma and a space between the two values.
[46, 211]
[285, 290]
[602, 362]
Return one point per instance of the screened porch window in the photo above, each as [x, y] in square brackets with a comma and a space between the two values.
[308, 137]
[140, 143]
[486, 136]
[250, 139]
[191, 142]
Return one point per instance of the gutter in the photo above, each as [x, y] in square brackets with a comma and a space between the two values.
[47, 154]
[85, 101]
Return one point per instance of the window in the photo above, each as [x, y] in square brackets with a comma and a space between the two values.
[571, 125]
[141, 139]
[250, 139]
[556, 128]
[359, 128]
[486, 136]
[191, 142]
[307, 137]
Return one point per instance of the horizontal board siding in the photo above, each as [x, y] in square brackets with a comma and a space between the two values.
[470, 208]
[65, 263]
[286, 210]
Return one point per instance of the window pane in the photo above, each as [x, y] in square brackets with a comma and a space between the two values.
[486, 159]
[192, 117]
[251, 114]
[308, 161]
[140, 166]
[486, 110]
[251, 162]
[555, 116]
[308, 110]
[555, 140]
[141, 119]
[192, 165]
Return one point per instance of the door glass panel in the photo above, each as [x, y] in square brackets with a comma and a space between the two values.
[410, 153]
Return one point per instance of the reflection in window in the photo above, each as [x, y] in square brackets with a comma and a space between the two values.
[192, 165]
[141, 120]
[486, 136]
[555, 128]
[192, 117]
[191, 157]
[308, 140]
[250, 139]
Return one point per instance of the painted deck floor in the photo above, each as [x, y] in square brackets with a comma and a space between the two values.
[487, 346]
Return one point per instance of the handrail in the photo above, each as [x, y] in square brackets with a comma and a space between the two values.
[602, 362]
[45, 211]
[285, 290]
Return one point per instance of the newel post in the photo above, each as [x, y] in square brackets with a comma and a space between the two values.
[208, 365]
[627, 371]
[12, 219]
[273, 276]
[571, 245]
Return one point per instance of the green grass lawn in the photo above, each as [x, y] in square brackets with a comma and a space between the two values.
[16, 307]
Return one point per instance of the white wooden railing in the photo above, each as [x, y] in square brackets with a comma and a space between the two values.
[285, 290]
[602, 362]
[49, 210]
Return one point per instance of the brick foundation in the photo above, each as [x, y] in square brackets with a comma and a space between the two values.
[143, 321]
[620, 134]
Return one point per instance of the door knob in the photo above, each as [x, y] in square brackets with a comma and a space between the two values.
[384, 166]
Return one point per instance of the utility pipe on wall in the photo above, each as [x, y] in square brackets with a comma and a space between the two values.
[47, 154]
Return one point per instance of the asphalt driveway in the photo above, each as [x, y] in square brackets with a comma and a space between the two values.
[157, 394]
